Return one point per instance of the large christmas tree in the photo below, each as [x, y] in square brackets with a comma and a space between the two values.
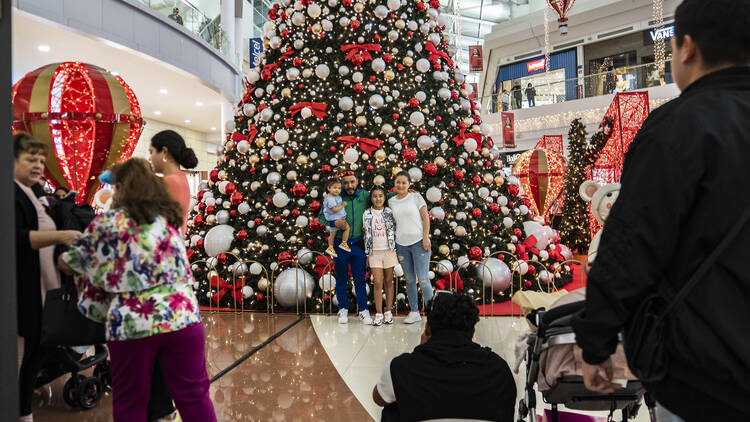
[368, 87]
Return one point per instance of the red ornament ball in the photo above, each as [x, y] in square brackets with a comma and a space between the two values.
[242, 235]
[513, 190]
[237, 198]
[210, 209]
[354, 24]
[325, 168]
[199, 195]
[476, 212]
[387, 58]
[199, 244]
[299, 190]
[475, 253]
[222, 258]
[358, 88]
[527, 283]
[476, 180]
[198, 221]
[297, 62]
[285, 258]
[409, 155]
[458, 174]
[233, 213]
[494, 208]
[370, 167]
[295, 213]
[430, 169]
[257, 221]
[315, 206]
[202, 207]
[288, 123]
[214, 175]
[277, 219]
[373, 78]
[531, 270]
[395, 116]
[413, 102]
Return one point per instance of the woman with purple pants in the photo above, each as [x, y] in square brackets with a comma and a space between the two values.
[133, 275]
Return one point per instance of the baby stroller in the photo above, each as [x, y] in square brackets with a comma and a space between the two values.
[79, 390]
[550, 365]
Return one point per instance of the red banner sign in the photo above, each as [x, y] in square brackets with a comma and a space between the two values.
[509, 136]
[475, 58]
[536, 65]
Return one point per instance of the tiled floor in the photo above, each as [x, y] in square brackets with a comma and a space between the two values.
[316, 370]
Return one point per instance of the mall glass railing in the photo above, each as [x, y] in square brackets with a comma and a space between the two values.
[624, 79]
[195, 21]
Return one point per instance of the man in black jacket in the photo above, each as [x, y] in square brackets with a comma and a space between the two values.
[682, 190]
[447, 375]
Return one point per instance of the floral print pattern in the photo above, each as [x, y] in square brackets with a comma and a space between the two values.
[135, 279]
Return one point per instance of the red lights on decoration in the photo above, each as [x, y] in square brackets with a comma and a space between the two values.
[89, 118]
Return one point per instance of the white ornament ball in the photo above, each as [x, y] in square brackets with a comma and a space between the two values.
[222, 217]
[292, 286]
[376, 101]
[301, 221]
[305, 256]
[346, 103]
[434, 194]
[322, 71]
[494, 273]
[273, 178]
[218, 240]
[423, 65]
[277, 153]
[424, 142]
[415, 174]
[256, 269]
[249, 110]
[394, 4]
[470, 145]
[507, 222]
[281, 136]
[243, 147]
[438, 213]
[314, 10]
[298, 19]
[280, 199]
[444, 267]
[381, 12]
[327, 282]
[351, 155]
[378, 65]
[417, 118]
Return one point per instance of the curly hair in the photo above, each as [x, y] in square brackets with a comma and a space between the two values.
[452, 311]
[143, 194]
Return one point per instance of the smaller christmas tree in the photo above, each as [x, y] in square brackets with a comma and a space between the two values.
[582, 155]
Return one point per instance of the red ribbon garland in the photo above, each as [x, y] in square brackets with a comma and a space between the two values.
[318, 109]
[361, 50]
[223, 287]
[270, 69]
[323, 265]
[436, 55]
[365, 144]
[445, 282]
[462, 136]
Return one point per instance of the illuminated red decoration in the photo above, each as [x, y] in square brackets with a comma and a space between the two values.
[562, 7]
[541, 173]
[552, 143]
[628, 110]
[89, 118]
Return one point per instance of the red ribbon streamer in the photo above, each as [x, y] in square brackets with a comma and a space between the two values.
[248, 96]
[235, 290]
[270, 69]
[462, 136]
[365, 144]
[361, 50]
[318, 109]
[436, 55]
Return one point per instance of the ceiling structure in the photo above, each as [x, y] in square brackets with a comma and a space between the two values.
[164, 92]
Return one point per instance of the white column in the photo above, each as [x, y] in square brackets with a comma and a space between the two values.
[227, 25]
[239, 33]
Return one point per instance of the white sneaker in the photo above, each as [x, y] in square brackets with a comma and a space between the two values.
[378, 321]
[364, 316]
[412, 318]
[387, 318]
[343, 316]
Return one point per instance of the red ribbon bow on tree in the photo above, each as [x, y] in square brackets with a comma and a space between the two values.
[270, 69]
[318, 109]
[323, 265]
[436, 55]
[365, 144]
[445, 282]
[252, 132]
[556, 253]
[529, 244]
[235, 290]
[463, 136]
[361, 50]
[249, 95]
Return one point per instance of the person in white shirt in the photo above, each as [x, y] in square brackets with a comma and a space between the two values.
[412, 242]
[379, 228]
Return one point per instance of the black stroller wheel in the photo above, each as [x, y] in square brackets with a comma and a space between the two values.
[70, 390]
[89, 393]
[104, 373]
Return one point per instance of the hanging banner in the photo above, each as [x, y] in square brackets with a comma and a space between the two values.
[256, 47]
[475, 58]
[509, 136]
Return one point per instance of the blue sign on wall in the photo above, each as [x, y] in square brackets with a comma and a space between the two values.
[256, 47]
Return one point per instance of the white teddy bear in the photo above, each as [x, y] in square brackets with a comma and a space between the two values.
[601, 197]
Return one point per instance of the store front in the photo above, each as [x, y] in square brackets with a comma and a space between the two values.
[551, 87]
[626, 63]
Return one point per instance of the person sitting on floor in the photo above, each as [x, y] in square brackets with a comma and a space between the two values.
[447, 375]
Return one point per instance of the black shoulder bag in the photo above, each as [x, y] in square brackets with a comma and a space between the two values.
[63, 324]
[646, 337]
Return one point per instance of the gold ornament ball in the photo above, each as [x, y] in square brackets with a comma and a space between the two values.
[459, 231]
[254, 186]
[254, 159]
[499, 180]
[378, 180]
[361, 121]
[389, 75]
[302, 160]
[444, 250]
[440, 162]
[400, 24]
[317, 29]
[286, 92]
[395, 171]
[260, 142]
[223, 175]
[359, 7]
[291, 175]
[408, 61]
[380, 155]
[211, 274]
[211, 220]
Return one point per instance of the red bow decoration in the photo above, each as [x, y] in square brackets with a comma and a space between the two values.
[270, 69]
[318, 109]
[365, 144]
[249, 95]
[462, 136]
[436, 55]
[223, 288]
[323, 265]
[521, 252]
[445, 282]
[556, 253]
[361, 50]
[529, 244]
[252, 132]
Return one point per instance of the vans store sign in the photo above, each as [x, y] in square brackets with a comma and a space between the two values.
[655, 34]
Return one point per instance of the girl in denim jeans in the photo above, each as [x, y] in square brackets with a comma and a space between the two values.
[412, 242]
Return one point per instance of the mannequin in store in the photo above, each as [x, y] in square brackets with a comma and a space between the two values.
[684, 165]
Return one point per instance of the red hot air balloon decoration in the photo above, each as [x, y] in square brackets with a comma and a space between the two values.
[542, 176]
[89, 118]
[562, 7]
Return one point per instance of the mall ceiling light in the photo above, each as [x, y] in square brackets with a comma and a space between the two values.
[198, 104]
[43, 48]
[187, 121]
[157, 113]
[213, 128]
[163, 91]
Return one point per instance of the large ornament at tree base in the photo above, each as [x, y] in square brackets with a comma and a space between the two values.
[89, 119]
[292, 286]
[494, 273]
[542, 177]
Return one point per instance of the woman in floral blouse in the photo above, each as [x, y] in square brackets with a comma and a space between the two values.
[134, 276]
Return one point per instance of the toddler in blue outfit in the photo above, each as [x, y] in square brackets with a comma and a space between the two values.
[334, 212]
